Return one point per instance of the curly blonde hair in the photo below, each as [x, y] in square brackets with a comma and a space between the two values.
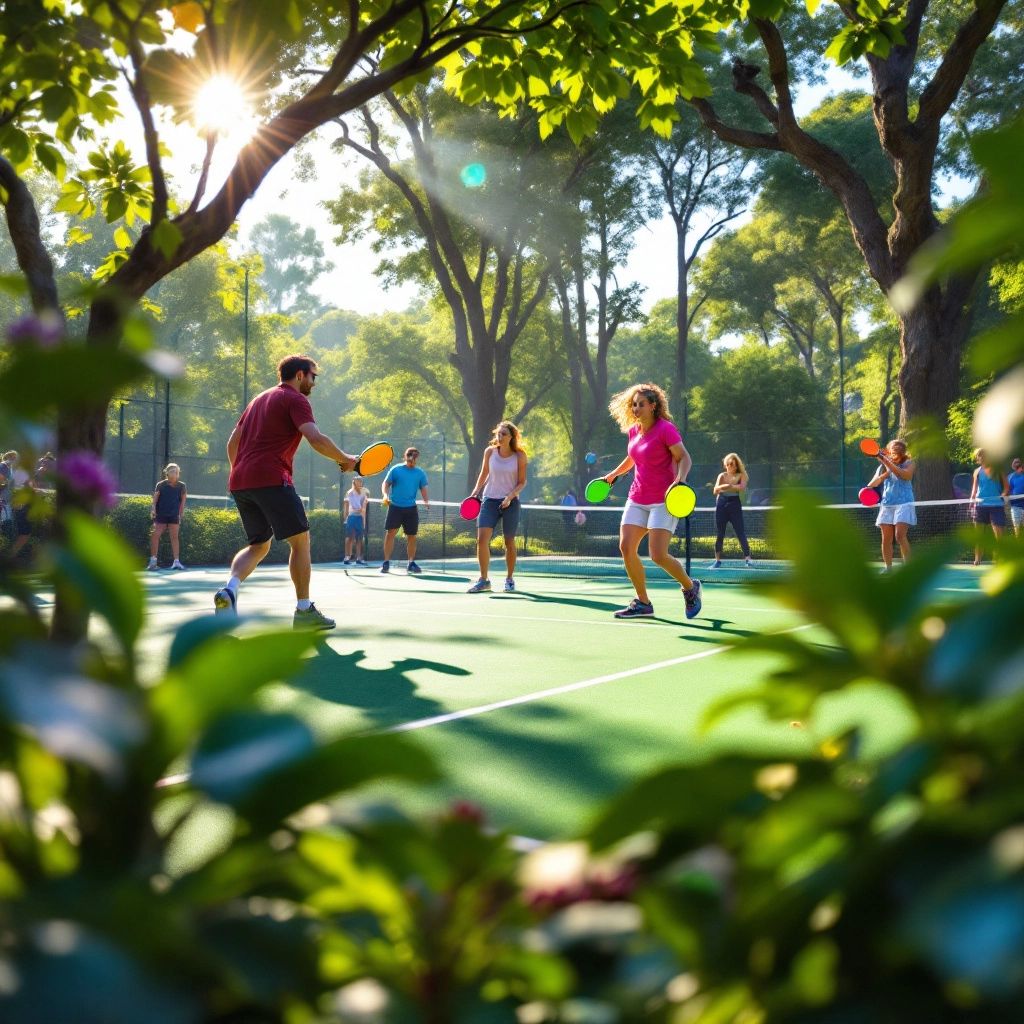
[621, 409]
[729, 458]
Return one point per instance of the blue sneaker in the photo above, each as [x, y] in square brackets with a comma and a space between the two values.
[716, 564]
[385, 567]
[225, 602]
[635, 609]
[414, 569]
[692, 599]
[480, 587]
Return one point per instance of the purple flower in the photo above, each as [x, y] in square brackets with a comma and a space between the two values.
[87, 475]
[45, 330]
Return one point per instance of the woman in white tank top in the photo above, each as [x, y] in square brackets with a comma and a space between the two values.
[502, 478]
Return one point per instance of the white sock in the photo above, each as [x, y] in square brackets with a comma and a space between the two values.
[233, 584]
[304, 605]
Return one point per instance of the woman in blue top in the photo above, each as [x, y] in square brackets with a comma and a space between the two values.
[987, 493]
[896, 513]
[1016, 482]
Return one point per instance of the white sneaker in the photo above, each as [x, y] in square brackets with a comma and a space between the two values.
[750, 562]
[152, 565]
[177, 565]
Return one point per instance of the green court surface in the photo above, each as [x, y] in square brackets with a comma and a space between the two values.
[537, 705]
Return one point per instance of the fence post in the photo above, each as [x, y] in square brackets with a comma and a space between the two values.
[444, 497]
[120, 446]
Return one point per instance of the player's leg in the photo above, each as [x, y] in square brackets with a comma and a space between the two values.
[630, 536]
[888, 531]
[300, 564]
[172, 532]
[721, 519]
[903, 539]
[509, 525]
[657, 544]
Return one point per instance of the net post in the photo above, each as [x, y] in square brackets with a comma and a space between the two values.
[686, 527]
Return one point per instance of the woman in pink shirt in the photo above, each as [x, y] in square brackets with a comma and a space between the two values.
[656, 452]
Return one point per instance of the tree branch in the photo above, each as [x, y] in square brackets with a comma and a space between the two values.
[26, 236]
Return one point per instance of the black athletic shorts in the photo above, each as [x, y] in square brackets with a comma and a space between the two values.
[167, 520]
[407, 517]
[270, 512]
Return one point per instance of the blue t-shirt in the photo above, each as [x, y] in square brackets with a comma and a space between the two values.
[405, 483]
[896, 491]
[1016, 488]
[989, 491]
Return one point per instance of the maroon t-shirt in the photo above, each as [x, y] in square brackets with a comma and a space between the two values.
[268, 434]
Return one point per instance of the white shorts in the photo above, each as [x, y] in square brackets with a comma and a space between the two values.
[651, 517]
[890, 515]
[1017, 515]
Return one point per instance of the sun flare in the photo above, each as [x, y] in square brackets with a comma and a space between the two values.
[221, 107]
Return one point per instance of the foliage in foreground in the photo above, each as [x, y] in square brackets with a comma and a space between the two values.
[843, 885]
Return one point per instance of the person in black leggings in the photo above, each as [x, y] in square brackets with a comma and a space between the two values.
[728, 508]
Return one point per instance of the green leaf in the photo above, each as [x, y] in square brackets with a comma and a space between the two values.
[240, 750]
[76, 378]
[102, 567]
[167, 237]
[219, 675]
[332, 769]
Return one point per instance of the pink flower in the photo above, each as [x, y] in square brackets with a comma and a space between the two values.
[88, 476]
[44, 330]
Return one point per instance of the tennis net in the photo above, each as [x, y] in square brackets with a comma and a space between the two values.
[583, 540]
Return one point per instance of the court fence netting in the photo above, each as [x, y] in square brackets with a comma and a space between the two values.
[583, 541]
[556, 540]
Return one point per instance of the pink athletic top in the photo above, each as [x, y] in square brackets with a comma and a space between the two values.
[655, 467]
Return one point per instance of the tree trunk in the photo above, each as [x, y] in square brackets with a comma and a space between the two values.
[929, 380]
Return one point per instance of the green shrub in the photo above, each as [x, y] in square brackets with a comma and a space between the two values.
[212, 536]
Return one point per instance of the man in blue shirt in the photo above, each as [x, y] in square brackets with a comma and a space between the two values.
[1016, 481]
[399, 488]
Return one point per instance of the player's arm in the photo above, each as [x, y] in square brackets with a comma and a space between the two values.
[485, 472]
[385, 487]
[426, 495]
[682, 459]
[323, 445]
[880, 474]
[152, 511]
[623, 467]
[181, 505]
[345, 508]
[719, 484]
[233, 447]
[742, 484]
[974, 484]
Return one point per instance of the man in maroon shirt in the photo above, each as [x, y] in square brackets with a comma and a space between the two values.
[260, 451]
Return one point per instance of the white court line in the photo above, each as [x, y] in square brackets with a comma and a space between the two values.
[527, 698]
[553, 619]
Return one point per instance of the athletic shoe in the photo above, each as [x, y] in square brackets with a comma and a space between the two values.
[510, 586]
[152, 565]
[385, 567]
[346, 561]
[750, 562]
[716, 564]
[414, 569]
[480, 587]
[635, 609]
[359, 561]
[177, 565]
[225, 602]
[311, 618]
[692, 599]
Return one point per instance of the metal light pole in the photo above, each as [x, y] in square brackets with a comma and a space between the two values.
[842, 424]
[245, 346]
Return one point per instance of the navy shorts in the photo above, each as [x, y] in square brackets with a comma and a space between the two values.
[491, 511]
[270, 512]
[406, 517]
[994, 514]
[22, 526]
[354, 527]
[167, 520]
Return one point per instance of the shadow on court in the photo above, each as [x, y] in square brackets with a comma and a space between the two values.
[385, 695]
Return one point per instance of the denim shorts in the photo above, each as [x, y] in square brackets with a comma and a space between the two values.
[491, 511]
